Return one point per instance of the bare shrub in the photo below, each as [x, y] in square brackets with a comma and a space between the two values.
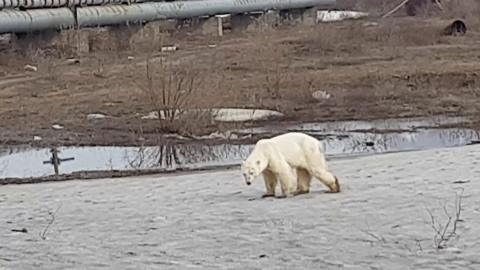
[275, 68]
[264, 23]
[446, 230]
[71, 43]
[153, 36]
[100, 71]
[170, 89]
[43, 234]
[374, 238]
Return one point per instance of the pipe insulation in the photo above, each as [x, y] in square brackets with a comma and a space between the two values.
[15, 21]
[59, 3]
[144, 12]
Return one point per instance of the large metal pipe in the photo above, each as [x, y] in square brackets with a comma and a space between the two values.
[144, 12]
[14, 21]
[59, 3]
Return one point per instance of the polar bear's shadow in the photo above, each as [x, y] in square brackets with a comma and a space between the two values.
[309, 195]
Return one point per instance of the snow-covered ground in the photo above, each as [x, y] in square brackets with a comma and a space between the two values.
[214, 221]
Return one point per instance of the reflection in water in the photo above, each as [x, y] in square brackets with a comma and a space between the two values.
[364, 143]
[191, 156]
[162, 156]
[172, 156]
[5, 151]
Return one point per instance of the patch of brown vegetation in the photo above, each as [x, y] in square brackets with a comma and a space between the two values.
[398, 68]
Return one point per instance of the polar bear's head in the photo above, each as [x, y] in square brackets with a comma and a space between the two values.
[253, 167]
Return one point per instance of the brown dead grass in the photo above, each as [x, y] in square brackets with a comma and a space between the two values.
[400, 67]
[375, 7]
[453, 9]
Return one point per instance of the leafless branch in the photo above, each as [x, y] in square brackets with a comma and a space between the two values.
[376, 237]
[169, 88]
[43, 234]
[445, 232]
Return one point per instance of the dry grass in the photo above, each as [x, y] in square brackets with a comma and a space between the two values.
[467, 10]
[463, 9]
[400, 67]
[355, 38]
[375, 7]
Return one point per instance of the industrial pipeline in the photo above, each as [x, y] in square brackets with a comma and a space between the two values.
[21, 21]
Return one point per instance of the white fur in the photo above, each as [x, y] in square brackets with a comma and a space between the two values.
[285, 158]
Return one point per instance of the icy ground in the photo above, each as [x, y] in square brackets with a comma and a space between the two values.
[214, 221]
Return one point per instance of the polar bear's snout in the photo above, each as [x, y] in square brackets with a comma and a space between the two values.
[248, 173]
[248, 178]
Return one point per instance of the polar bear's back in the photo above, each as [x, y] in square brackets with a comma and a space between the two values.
[296, 147]
[296, 138]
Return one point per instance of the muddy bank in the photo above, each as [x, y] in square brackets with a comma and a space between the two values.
[213, 220]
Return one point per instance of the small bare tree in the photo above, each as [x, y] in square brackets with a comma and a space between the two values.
[170, 87]
[445, 231]
[174, 85]
[276, 72]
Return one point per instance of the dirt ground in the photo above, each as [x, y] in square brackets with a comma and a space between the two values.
[381, 220]
[395, 67]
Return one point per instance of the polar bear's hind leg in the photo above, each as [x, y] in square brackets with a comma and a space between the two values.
[304, 178]
[288, 182]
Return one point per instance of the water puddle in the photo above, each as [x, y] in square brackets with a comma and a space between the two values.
[340, 138]
[381, 125]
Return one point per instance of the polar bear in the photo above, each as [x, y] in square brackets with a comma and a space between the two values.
[292, 159]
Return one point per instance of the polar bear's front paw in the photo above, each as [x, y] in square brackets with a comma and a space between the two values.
[335, 188]
[267, 195]
[300, 192]
[284, 196]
